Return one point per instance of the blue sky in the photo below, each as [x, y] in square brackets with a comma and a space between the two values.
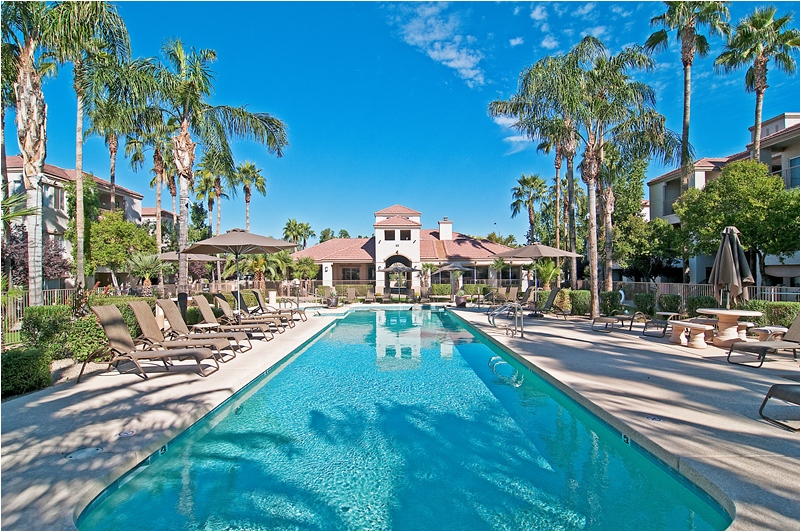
[386, 103]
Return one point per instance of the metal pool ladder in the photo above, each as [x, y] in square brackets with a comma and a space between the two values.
[510, 308]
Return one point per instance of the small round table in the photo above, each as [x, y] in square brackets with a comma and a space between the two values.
[728, 327]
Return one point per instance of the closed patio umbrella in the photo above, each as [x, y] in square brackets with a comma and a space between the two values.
[238, 242]
[730, 271]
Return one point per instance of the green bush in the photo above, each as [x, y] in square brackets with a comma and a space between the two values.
[645, 303]
[440, 289]
[610, 302]
[563, 300]
[580, 301]
[46, 328]
[669, 303]
[703, 301]
[361, 289]
[85, 335]
[125, 310]
[782, 313]
[474, 289]
[25, 370]
[756, 306]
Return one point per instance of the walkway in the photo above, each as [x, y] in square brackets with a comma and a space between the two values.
[709, 427]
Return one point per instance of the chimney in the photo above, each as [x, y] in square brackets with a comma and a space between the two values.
[445, 229]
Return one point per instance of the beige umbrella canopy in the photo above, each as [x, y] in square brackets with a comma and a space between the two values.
[730, 271]
[237, 242]
[534, 251]
[172, 256]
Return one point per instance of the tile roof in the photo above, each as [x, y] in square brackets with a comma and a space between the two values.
[397, 209]
[341, 250]
[398, 221]
[461, 247]
[15, 162]
[786, 131]
[704, 164]
[151, 212]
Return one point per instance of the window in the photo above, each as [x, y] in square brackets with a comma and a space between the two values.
[794, 172]
[351, 273]
[388, 235]
[58, 199]
[405, 235]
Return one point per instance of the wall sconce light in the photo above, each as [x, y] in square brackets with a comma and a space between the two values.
[415, 241]
[326, 269]
[379, 241]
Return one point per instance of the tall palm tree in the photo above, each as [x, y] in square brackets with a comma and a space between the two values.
[26, 28]
[686, 18]
[530, 190]
[545, 107]
[81, 31]
[116, 98]
[306, 233]
[554, 144]
[249, 177]
[205, 188]
[616, 109]
[758, 38]
[186, 86]
[292, 231]
[219, 166]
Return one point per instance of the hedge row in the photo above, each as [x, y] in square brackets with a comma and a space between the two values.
[24, 370]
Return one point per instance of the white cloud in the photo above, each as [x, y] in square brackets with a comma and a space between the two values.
[504, 121]
[518, 143]
[597, 31]
[516, 42]
[539, 13]
[517, 10]
[584, 10]
[619, 10]
[429, 29]
[545, 27]
[549, 42]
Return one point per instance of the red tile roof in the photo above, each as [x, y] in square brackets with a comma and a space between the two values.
[341, 250]
[398, 221]
[461, 247]
[704, 164]
[788, 131]
[397, 210]
[15, 162]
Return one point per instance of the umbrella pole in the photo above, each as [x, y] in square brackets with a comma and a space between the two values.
[238, 293]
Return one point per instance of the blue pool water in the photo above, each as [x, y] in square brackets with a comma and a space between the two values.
[402, 420]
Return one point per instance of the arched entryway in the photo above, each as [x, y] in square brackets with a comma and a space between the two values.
[402, 270]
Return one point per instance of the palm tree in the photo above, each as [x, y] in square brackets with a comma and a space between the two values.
[326, 234]
[292, 231]
[186, 86]
[758, 38]
[615, 109]
[81, 31]
[306, 233]
[205, 189]
[249, 177]
[554, 143]
[26, 27]
[499, 265]
[686, 18]
[217, 165]
[531, 189]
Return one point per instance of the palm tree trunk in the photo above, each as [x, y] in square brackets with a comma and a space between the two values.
[573, 238]
[686, 162]
[608, 210]
[80, 221]
[589, 170]
[113, 147]
[158, 166]
[31, 118]
[218, 188]
[755, 155]
[247, 216]
[184, 160]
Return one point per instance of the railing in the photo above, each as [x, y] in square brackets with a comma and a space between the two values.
[765, 293]
[790, 175]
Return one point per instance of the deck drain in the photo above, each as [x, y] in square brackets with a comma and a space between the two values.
[83, 453]
[653, 418]
[126, 433]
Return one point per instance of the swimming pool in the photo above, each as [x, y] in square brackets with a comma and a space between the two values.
[401, 420]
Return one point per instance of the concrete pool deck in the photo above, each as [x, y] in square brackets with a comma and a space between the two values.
[709, 427]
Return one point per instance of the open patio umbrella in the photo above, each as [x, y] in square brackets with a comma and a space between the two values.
[238, 242]
[397, 267]
[730, 271]
[451, 268]
[535, 251]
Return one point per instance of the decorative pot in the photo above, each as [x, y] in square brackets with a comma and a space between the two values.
[333, 302]
[461, 302]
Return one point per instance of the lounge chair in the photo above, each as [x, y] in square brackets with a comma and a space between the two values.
[238, 298]
[266, 309]
[231, 318]
[351, 296]
[242, 313]
[179, 330]
[153, 337]
[790, 341]
[495, 299]
[121, 347]
[512, 294]
[210, 321]
[786, 392]
[370, 296]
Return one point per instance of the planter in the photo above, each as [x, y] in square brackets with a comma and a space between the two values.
[333, 302]
[461, 302]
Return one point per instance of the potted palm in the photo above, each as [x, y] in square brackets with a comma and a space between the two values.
[333, 300]
[461, 299]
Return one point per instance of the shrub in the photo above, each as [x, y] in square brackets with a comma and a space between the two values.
[84, 337]
[440, 289]
[758, 306]
[474, 289]
[580, 301]
[46, 328]
[610, 302]
[25, 370]
[669, 303]
[563, 300]
[361, 289]
[703, 301]
[645, 303]
[125, 310]
[781, 313]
